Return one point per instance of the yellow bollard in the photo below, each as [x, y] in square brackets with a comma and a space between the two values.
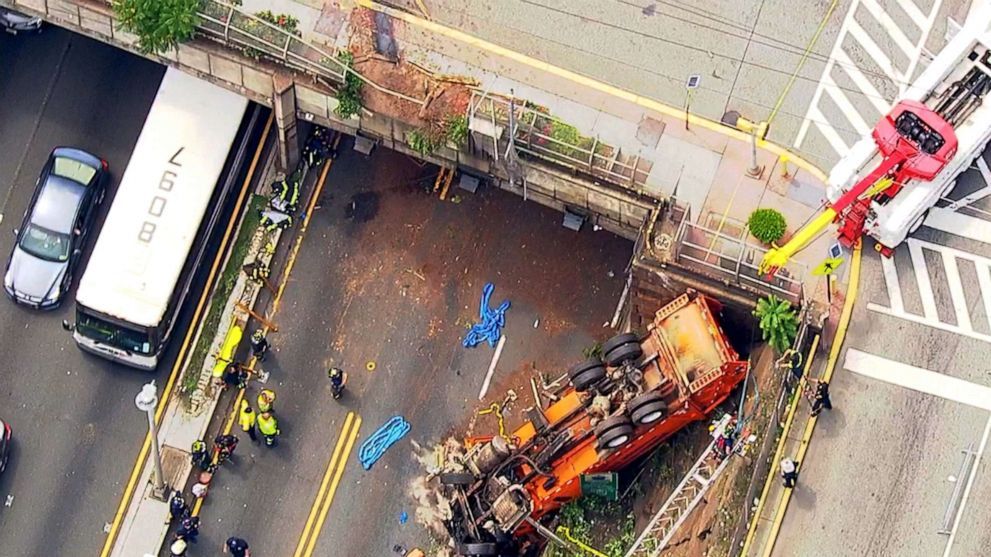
[784, 159]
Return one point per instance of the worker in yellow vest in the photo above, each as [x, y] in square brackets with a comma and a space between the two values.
[266, 399]
[269, 427]
[246, 419]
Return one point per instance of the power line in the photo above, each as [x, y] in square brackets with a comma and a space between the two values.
[678, 80]
[708, 52]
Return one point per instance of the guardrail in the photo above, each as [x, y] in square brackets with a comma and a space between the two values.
[734, 260]
[258, 38]
[536, 133]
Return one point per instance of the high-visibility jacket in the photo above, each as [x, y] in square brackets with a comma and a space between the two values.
[268, 425]
[246, 417]
[265, 400]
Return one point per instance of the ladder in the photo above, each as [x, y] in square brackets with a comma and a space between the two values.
[682, 502]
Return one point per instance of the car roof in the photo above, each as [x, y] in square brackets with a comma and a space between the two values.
[57, 204]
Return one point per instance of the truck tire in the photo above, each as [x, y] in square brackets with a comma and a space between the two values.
[585, 374]
[619, 340]
[616, 437]
[647, 408]
[613, 432]
[479, 549]
[463, 479]
[622, 353]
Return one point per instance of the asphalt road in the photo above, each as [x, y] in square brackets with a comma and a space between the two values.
[875, 480]
[396, 284]
[76, 430]
[745, 52]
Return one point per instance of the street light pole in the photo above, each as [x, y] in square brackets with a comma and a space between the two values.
[147, 401]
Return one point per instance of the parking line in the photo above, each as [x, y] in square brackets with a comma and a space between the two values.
[342, 464]
[132, 481]
[874, 51]
[966, 491]
[331, 467]
[894, 31]
[918, 379]
[956, 290]
[914, 13]
[895, 301]
[922, 277]
[845, 106]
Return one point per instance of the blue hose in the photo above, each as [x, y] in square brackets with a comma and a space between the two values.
[384, 437]
[493, 320]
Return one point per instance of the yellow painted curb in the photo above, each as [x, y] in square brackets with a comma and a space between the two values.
[834, 353]
[644, 102]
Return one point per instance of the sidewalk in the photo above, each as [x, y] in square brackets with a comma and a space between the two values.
[704, 165]
[799, 424]
[142, 528]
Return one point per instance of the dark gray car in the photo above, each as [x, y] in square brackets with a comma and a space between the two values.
[15, 22]
[55, 226]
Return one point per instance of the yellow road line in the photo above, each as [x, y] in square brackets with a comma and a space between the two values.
[827, 375]
[596, 85]
[166, 393]
[291, 261]
[235, 410]
[331, 466]
[779, 449]
[342, 464]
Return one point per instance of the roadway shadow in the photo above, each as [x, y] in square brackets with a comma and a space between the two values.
[803, 496]
[831, 423]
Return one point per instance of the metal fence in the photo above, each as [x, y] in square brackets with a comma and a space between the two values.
[535, 133]
[258, 38]
[734, 260]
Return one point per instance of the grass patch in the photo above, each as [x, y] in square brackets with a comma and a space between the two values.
[614, 524]
[225, 285]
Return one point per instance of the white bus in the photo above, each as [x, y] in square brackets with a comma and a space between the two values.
[152, 241]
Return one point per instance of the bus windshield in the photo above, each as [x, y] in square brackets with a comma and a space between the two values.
[114, 335]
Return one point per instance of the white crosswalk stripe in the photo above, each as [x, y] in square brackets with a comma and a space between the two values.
[854, 35]
[949, 258]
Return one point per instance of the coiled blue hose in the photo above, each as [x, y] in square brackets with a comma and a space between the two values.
[384, 437]
[493, 320]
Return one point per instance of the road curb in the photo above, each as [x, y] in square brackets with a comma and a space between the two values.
[751, 546]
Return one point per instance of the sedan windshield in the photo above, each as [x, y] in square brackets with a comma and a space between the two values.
[73, 170]
[44, 243]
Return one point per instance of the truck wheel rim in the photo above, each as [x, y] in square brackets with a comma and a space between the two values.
[619, 441]
[651, 417]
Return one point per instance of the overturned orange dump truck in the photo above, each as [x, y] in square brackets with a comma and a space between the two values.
[616, 410]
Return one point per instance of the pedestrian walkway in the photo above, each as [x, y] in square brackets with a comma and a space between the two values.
[793, 444]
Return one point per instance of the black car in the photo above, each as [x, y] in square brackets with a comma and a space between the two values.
[55, 227]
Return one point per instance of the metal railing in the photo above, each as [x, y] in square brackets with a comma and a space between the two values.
[541, 135]
[258, 38]
[734, 260]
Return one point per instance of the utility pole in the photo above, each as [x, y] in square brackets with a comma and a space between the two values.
[147, 401]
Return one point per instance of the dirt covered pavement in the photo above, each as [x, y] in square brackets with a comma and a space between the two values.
[387, 281]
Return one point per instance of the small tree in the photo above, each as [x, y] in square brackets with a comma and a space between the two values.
[778, 322]
[159, 24]
[767, 225]
[349, 93]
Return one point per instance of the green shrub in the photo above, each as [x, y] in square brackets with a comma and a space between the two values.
[456, 129]
[424, 141]
[159, 24]
[349, 94]
[767, 225]
[778, 322]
